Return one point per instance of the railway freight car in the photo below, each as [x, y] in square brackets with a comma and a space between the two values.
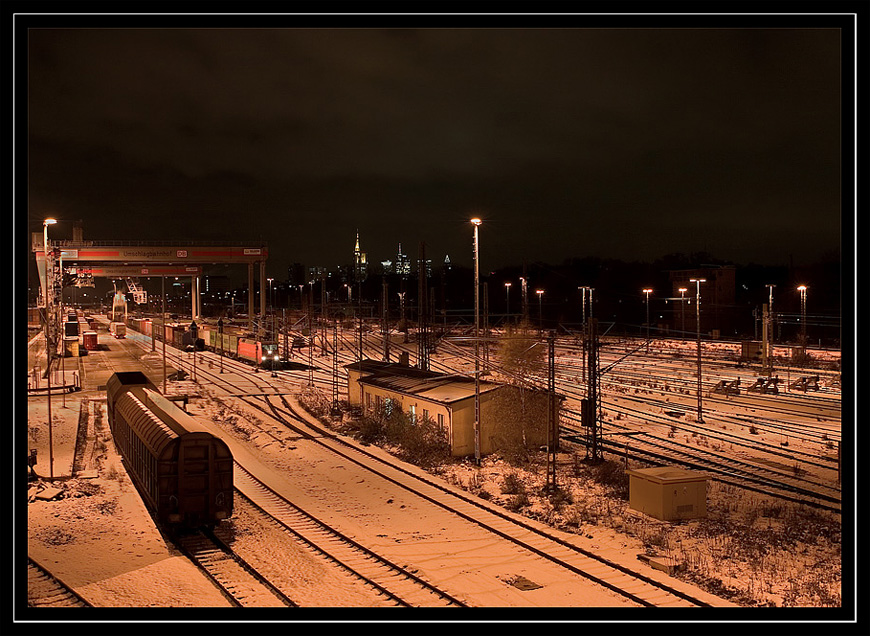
[183, 472]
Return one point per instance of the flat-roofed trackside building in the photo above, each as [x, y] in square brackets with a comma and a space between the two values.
[447, 400]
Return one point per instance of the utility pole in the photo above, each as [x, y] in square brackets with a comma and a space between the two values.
[766, 357]
[163, 327]
[323, 312]
[385, 323]
[360, 321]
[476, 223]
[698, 282]
[552, 419]
[311, 334]
[335, 409]
[524, 285]
[422, 311]
[485, 326]
[591, 404]
[770, 312]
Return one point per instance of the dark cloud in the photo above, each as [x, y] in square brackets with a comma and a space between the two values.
[625, 143]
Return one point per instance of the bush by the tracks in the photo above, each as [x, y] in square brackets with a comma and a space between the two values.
[419, 441]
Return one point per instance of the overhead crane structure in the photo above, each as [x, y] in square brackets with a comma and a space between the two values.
[124, 259]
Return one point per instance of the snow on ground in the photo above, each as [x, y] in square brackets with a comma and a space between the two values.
[97, 536]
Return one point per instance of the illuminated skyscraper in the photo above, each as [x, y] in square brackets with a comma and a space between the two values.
[359, 261]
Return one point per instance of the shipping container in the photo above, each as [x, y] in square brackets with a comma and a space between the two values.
[71, 347]
[118, 329]
[89, 340]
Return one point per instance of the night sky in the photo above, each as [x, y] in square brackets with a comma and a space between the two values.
[627, 143]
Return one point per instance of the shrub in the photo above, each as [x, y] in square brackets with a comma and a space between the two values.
[517, 501]
[612, 474]
[420, 442]
[512, 484]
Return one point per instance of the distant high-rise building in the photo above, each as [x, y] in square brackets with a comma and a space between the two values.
[316, 272]
[296, 274]
[403, 263]
[427, 263]
[359, 261]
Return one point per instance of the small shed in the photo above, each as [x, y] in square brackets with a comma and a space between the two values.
[668, 493]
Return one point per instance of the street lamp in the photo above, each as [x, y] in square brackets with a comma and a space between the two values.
[476, 222]
[683, 291]
[507, 289]
[540, 293]
[647, 291]
[698, 282]
[45, 224]
[803, 290]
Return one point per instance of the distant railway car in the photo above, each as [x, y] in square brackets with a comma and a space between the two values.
[183, 472]
[205, 335]
[170, 332]
[230, 344]
[118, 329]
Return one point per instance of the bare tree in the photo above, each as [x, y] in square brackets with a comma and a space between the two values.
[519, 411]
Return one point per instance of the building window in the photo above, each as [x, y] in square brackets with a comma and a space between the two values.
[425, 414]
[413, 413]
[388, 406]
[441, 421]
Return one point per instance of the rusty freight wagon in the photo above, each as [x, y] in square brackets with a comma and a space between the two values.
[183, 472]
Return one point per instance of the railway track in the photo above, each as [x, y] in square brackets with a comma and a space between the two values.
[46, 590]
[778, 483]
[398, 584]
[724, 469]
[547, 545]
[242, 584]
[783, 483]
[640, 588]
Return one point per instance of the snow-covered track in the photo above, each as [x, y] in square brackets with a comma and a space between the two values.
[627, 582]
[237, 580]
[46, 590]
[400, 585]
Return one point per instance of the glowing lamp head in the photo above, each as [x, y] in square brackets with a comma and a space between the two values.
[49, 221]
[802, 288]
[476, 221]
